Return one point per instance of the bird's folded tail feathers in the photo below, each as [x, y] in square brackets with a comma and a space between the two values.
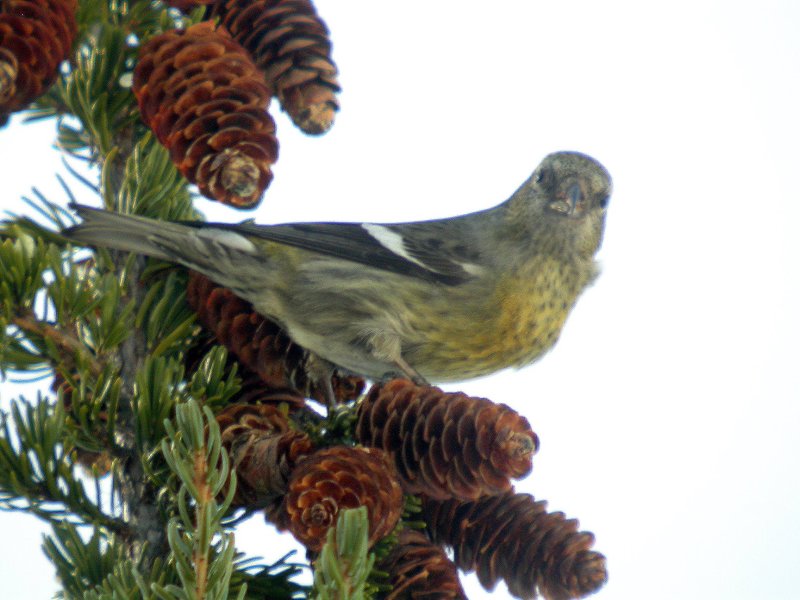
[121, 232]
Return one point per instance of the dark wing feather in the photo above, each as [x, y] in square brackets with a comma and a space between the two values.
[438, 247]
[429, 256]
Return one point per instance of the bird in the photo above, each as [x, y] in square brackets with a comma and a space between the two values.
[439, 301]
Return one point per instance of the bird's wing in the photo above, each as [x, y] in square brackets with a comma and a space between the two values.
[423, 250]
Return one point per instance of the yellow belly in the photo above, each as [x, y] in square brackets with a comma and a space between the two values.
[512, 327]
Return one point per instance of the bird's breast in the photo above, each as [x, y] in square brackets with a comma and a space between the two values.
[510, 326]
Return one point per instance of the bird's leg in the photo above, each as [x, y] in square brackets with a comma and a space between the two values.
[386, 346]
[409, 371]
[320, 372]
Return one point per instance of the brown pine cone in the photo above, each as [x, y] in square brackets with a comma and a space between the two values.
[206, 101]
[334, 479]
[253, 389]
[291, 44]
[512, 537]
[446, 445]
[346, 387]
[418, 568]
[263, 450]
[35, 37]
[259, 344]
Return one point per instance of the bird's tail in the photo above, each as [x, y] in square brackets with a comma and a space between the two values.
[217, 251]
[123, 232]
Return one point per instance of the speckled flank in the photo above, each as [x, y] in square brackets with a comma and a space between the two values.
[530, 308]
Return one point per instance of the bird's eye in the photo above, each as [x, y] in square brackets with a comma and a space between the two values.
[545, 178]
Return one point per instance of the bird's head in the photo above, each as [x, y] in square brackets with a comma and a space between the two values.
[567, 193]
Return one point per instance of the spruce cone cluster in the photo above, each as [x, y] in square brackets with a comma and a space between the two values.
[446, 445]
[290, 43]
[334, 479]
[263, 449]
[418, 568]
[303, 491]
[35, 37]
[206, 101]
[259, 344]
[202, 94]
[512, 537]
[459, 453]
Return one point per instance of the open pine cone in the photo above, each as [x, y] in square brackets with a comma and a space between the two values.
[334, 479]
[446, 445]
[290, 43]
[418, 568]
[512, 537]
[35, 37]
[259, 344]
[256, 342]
[206, 101]
[264, 451]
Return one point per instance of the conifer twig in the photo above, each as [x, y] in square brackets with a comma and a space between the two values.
[29, 323]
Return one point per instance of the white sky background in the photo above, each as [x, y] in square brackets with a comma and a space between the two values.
[668, 413]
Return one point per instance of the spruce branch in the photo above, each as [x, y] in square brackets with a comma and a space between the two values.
[66, 342]
[164, 316]
[214, 380]
[93, 92]
[114, 330]
[268, 581]
[203, 551]
[97, 568]
[36, 474]
[138, 493]
[345, 563]
[152, 185]
[23, 261]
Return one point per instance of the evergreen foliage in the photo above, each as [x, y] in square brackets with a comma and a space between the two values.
[123, 457]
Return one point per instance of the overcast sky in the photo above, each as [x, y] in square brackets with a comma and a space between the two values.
[668, 412]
